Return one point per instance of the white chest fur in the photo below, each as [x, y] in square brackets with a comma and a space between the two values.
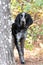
[20, 35]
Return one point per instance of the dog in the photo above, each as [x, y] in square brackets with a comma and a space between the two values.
[19, 28]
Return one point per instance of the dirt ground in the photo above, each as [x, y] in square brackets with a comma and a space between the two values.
[34, 57]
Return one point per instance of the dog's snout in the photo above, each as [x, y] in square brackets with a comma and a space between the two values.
[23, 22]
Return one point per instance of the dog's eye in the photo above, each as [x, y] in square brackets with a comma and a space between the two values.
[25, 15]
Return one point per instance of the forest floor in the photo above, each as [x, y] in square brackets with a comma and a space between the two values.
[34, 57]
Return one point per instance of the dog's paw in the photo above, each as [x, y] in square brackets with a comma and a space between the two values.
[22, 62]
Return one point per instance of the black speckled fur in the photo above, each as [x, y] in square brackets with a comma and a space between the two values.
[16, 28]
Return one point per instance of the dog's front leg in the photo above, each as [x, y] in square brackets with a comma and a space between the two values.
[19, 51]
[22, 45]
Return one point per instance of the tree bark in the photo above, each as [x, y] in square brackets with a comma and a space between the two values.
[6, 47]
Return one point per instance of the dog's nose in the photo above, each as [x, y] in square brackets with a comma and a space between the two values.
[23, 22]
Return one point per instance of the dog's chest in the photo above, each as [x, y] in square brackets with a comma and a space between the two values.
[20, 35]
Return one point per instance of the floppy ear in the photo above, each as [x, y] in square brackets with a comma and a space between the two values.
[29, 20]
[17, 20]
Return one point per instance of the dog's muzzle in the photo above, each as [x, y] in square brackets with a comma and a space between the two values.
[23, 22]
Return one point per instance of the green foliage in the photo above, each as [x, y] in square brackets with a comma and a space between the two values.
[29, 46]
[33, 32]
[27, 6]
[33, 6]
[38, 3]
[41, 32]
[14, 4]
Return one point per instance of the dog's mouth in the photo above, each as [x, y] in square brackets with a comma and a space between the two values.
[23, 23]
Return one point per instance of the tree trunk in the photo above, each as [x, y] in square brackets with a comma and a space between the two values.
[6, 47]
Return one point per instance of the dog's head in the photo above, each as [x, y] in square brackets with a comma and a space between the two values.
[23, 19]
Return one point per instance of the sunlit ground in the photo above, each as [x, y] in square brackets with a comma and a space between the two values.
[31, 57]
